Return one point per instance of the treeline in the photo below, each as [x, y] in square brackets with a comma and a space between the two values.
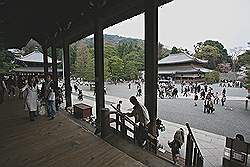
[123, 61]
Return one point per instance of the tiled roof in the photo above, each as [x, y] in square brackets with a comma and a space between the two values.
[35, 56]
[180, 58]
[182, 69]
[34, 69]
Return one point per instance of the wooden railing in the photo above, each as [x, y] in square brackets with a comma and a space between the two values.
[124, 125]
[194, 157]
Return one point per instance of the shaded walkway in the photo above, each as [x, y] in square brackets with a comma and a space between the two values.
[57, 142]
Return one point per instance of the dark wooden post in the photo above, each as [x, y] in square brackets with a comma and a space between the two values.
[54, 74]
[151, 61]
[195, 157]
[99, 70]
[67, 74]
[105, 126]
[45, 61]
[189, 151]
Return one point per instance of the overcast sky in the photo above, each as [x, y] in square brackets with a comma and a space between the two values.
[183, 23]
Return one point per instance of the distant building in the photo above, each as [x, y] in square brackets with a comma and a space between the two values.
[32, 63]
[182, 67]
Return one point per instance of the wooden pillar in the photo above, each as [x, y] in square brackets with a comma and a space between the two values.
[54, 74]
[67, 75]
[45, 61]
[99, 70]
[151, 60]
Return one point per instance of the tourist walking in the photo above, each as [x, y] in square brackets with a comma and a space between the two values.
[31, 98]
[216, 98]
[141, 115]
[119, 105]
[2, 89]
[51, 102]
[223, 99]
[176, 144]
[195, 99]
[129, 85]
[10, 84]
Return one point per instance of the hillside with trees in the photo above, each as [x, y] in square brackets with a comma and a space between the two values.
[123, 57]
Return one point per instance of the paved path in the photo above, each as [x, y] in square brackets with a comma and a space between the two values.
[211, 145]
[209, 129]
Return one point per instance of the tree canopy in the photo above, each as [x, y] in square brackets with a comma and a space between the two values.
[6, 61]
[213, 51]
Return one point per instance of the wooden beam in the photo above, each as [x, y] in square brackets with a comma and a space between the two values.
[99, 70]
[67, 74]
[151, 60]
[54, 74]
[45, 60]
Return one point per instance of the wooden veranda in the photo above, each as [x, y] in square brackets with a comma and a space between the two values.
[58, 142]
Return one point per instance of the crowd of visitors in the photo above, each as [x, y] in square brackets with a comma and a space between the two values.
[36, 100]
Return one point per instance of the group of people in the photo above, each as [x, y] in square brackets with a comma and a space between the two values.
[228, 83]
[210, 99]
[35, 100]
[141, 115]
[167, 90]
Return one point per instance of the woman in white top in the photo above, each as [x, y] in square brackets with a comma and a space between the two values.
[31, 97]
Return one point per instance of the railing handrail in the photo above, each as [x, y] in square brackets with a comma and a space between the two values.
[129, 120]
[122, 114]
[190, 132]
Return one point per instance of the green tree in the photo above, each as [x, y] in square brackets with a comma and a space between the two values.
[131, 70]
[83, 65]
[244, 59]
[212, 77]
[213, 51]
[116, 68]
[6, 61]
[222, 50]
[209, 53]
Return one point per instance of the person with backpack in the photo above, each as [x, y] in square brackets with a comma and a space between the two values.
[176, 144]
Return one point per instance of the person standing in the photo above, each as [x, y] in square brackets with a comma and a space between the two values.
[31, 97]
[51, 102]
[118, 106]
[10, 83]
[176, 144]
[2, 89]
[224, 92]
[129, 85]
[195, 99]
[141, 115]
[223, 99]
[216, 98]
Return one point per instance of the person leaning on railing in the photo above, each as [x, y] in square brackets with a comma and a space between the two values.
[140, 113]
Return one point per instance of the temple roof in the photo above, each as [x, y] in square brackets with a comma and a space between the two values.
[34, 70]
[180, 58]
[35, 56]
[183, 69]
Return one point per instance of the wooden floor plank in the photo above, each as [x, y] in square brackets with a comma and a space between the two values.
[53, 143]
